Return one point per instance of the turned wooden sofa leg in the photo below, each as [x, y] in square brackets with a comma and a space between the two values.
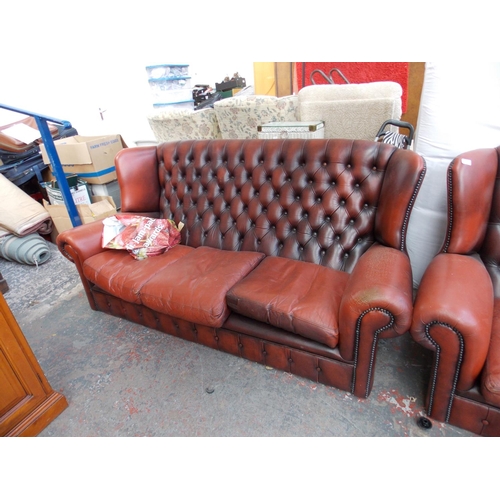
[4, 287]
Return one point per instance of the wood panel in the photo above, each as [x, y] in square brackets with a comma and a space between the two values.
[273, 78]
[27, 401]
[415, 83]
[284, 78]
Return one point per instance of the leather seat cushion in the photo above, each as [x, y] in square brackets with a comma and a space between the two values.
[118, 273]
[299, 297]
[490, 380]
[195, 288]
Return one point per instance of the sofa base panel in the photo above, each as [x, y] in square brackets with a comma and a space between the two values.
[328, 369]
[470, 412]
[476, 417]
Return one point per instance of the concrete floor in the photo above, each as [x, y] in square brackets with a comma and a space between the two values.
[121, 379]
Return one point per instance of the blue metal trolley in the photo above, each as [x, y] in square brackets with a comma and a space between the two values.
[41, 121]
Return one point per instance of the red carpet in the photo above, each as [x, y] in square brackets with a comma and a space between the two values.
[356, 72]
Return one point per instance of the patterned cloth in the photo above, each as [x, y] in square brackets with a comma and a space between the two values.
[180, 124]
[233, 118]
[239, 116]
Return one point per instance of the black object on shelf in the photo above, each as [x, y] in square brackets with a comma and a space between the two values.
[24, 168]
[234, 83]
[205, 97]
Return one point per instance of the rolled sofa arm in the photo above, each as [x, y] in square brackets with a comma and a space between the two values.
[79, 243]
[377, 303]
[453, 314]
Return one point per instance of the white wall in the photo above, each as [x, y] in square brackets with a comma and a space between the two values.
[77, 89]
[71, 65]
[67, 60]
[212, 72]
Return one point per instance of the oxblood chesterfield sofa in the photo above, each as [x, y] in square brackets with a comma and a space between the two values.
[292, 254]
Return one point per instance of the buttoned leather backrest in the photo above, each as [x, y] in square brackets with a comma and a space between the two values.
[490, 250]
[320, 201]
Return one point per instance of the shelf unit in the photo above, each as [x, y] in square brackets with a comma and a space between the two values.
[170, 86]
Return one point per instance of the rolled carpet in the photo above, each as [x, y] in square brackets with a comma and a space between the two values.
[20, 214]
[31, 249]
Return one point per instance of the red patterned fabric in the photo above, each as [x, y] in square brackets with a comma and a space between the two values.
[356, 72]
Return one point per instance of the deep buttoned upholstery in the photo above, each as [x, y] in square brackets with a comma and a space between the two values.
[321, 224]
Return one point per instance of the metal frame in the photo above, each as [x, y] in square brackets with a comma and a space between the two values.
[41, 121]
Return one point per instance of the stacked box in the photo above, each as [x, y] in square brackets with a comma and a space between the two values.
[109, 189]
[99, 208]
[90, 158]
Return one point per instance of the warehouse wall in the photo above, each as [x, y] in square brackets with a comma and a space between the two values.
[80, 89]
[73, 63]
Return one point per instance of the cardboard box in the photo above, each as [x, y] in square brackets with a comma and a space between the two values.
[109, 189]
[100, 208]
[91, 158]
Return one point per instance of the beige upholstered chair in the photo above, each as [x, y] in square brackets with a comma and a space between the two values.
[351, 111]
[239, 116]
[180, 124]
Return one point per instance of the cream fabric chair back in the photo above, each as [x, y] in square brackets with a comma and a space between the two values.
[181, 124]
[239, 117]
[351, 111]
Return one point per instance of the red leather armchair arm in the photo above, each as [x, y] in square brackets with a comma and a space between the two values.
[377, 303]
[81, 242]
[453, 316]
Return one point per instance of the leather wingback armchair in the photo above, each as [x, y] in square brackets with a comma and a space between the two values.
[457, 307]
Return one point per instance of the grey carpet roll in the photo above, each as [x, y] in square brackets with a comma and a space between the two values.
[31, 249]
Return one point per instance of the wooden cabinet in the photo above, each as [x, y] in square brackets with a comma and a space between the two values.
[27, 401]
